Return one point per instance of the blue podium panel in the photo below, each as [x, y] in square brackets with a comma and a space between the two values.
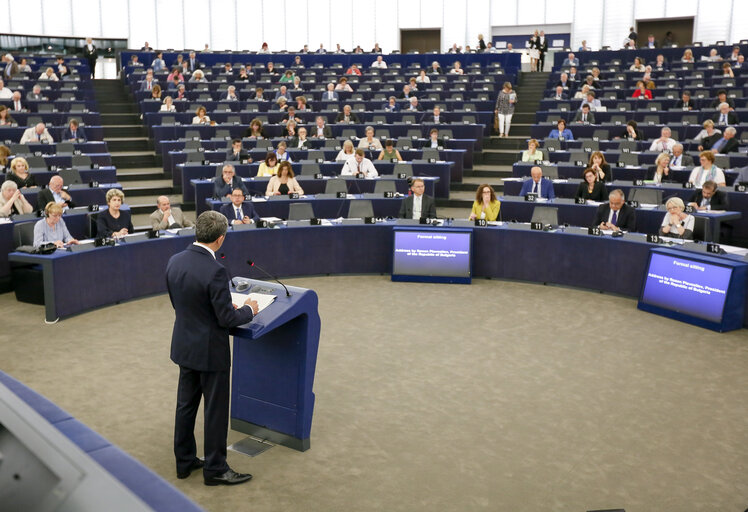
[273, 369]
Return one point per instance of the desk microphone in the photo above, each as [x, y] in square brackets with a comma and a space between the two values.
[252, 264]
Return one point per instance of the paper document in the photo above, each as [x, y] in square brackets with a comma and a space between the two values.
[263, 300]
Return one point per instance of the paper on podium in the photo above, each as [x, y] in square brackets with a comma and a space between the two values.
[263, 299]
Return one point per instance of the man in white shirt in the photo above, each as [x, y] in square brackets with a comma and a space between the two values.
[231, 94]
[359, 166]
[5, 93]
[379, 63]
[37, 133]
[665, 143]
[166, 216]
[16, 106]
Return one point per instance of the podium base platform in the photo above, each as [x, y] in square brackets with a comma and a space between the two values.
[250, 447]
[267, 434]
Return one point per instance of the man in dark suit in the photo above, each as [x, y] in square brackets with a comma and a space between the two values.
[238, 211]
[346, 116]
[320, 129]
[727, 143]
[90, 53]
[678, 159]
[407, 93]
[559, 94]
[418, 205]
[685, 102]
[543, 48]
[436, 117]
[543, 187]
[199, 292]
[616, 214]
[35, 94]
[330, 94]
[413, 105]
[192, 62]
[236, 153]
[54, 194]
[74, 132]
[584, 116]
[709, 198]
[725, 116]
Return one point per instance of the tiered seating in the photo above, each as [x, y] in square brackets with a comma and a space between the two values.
[631, 160]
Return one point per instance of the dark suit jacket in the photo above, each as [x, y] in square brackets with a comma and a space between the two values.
[402, 95]
[590, 117]
[546, 188]
[719, 200]
[732, 118]
[353, 116]
[106, 224]
[598, 192]
[427, 143]
[221, 189]
[199, 292]
[682, 104]
[564, 96]
[625, 134]
[231, 157]
[730, 146]
[709, 140]
[652, 171]
[90, 55]
[228, 211]
[429, 118]
[626, 216]
[428, 208]
[80, 134]
[685, 160]
[294, 142]
[45, 196]
[326, 131]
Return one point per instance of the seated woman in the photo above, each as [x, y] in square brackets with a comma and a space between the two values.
[676, 223]
[423, 78]
[283, 182]
[343, 85]
[532, 153]
[19, 173]
[369, 141]
[582, 93]
[641, 91]
[632, 132]
[602, 168]
[175, 75]
[200, 116]
[456, 69]
[156, 92]
[49, 74]
[4, 154]
[388, 153]
[561, 132]
[281, 153]
[255, 130]
[168, 105]
[485, 206]
[687, 56]
[114, 222]
[346, 152]
[12, 201]
[282, 104]
[707, 171]
[243, 74]
[708, 136]
[198, 76]
[270, 166]
[52, 228]
[287, 77]
[5, 117]
[228, 182]
[660, 172]
[591, 189]
[302, 104]
[727, 70]
[638, 64]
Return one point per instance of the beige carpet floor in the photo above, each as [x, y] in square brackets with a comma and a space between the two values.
[499, 396]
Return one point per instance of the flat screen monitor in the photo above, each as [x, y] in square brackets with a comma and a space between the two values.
[702, 290]
[432, 255]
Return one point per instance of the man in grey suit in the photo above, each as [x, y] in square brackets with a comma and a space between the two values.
[35, 94]
[678, 159]
[166, 216]
[418, 205]
[330, 94]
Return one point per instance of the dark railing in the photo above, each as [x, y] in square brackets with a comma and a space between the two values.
[58, 45]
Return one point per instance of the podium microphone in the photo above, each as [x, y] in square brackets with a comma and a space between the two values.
[252, 264]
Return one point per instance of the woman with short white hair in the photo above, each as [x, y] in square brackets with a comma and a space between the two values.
[12, 201]
[677, 223]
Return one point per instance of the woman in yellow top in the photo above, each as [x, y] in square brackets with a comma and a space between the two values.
[486, 206]
[532, 153]
[270, 166]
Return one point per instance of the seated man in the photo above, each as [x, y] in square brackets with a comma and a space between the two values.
[230, 94]
[435, 117]
[166, 217]
[330, 94]
[37, 133]
[728, 143]
[559, 94]
[239, 211]
[379, 63]
[391, 105]
[725, 116]
[570, 60]
[679, 160]
[359, 166]
[228, 182]
[16, 104]
[685, 102]
[584, 116]
[538, 185]
[74, 132]
[564, 82]
[665, 143]
[346, 116]
[709, 198]
[591, 101]
[414, 106]
[35, 94]
[418, 205]
[434, 141]
[282, 93]
[407, 93]
[236, 153]
[54, 194]
[720, 99]
[616, 214]
[320, 129]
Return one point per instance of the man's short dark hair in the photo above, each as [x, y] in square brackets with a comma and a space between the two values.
[586, 105]
[235, 141]
[210, 226]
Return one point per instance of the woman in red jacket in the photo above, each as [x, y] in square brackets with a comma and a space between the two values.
[641, 91]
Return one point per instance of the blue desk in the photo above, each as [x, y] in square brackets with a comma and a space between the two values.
[14, 134]
[134, 270]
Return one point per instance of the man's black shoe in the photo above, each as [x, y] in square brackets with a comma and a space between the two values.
[196, 464]
[230, 477]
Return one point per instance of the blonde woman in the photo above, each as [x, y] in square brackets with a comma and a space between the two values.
[532, 153]
[505, 108]
[52, 228]
[346, 152]
[283, 182]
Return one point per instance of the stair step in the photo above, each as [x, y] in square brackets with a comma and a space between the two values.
[120, 118]
[134, 159]
[129, 144]
[125, 130]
